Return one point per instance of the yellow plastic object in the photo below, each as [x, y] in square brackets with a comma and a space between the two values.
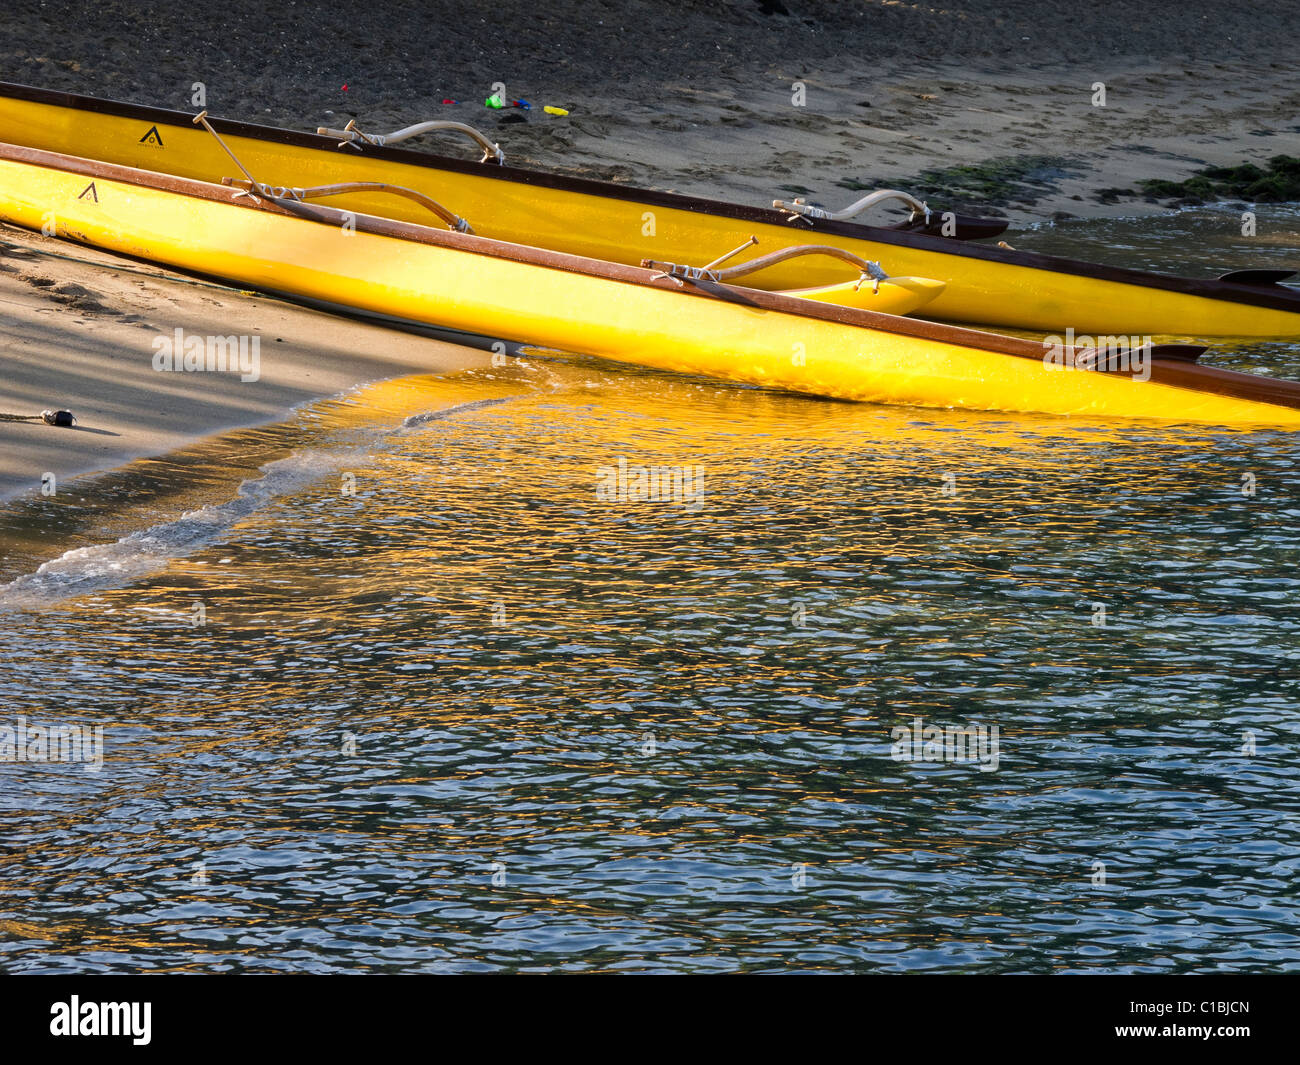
[554, 110]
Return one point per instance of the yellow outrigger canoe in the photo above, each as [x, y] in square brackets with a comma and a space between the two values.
[680, 321]
[615, 223]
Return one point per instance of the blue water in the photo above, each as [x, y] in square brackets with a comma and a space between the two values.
[387, 692]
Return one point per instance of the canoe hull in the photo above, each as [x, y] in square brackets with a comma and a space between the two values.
[617, 224]
[572, 306]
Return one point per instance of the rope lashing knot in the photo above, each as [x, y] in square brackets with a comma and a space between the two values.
[800, 209]
[874, 271]
[680, 272]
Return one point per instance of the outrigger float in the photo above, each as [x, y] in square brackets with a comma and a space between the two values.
[667, 316]
[615, 223]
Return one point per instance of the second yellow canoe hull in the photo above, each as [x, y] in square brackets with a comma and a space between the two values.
[623, 230]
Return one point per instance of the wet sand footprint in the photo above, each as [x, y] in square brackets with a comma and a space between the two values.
[79, 298]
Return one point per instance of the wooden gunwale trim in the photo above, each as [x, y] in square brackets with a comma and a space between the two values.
[1275, 297]
[1191, 376]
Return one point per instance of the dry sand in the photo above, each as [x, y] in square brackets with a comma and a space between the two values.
[79, 335]
[693, 96]
[698, 95]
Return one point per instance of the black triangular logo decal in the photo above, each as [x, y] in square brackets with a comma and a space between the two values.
[90, 191]
[152, 137]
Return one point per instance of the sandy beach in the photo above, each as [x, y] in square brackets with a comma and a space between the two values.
[720, 99]
[739, 100]
[80, 328]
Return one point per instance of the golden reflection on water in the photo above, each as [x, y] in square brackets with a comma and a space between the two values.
[375, 613]
[550, 424]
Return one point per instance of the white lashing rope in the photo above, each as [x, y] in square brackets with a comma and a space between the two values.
[317, 192]
[680, 273]
[350, 135]
[798, 208]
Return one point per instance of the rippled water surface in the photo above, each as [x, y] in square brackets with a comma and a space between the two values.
[389, 687]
